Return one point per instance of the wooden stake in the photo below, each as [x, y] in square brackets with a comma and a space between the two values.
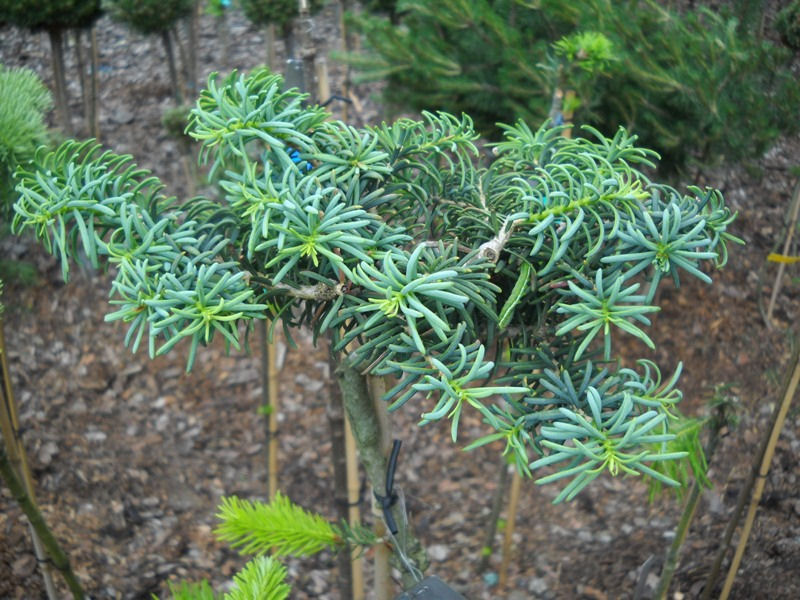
[345, 477]
[730, 528]
[792, 225]
[761, 479]
[354, 514]
[323, 84]
[270, 403]
[511, 517]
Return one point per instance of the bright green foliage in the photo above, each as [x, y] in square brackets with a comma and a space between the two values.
[148, 16]
[49, 14]
[261, 579]
[282, 528]
[191, 591]
[477, 287]
[693, 465]
[24, 101]
[698, 85]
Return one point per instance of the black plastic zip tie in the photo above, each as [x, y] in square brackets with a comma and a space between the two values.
[386, 502]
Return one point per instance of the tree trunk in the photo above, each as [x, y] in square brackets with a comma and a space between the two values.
[62, 101]
[191, 63]
[365, 423]
[173, 71]
[221, 27]
[272, 57]
[82, 77]
[289, 40]
[94, 126]
[494, 516]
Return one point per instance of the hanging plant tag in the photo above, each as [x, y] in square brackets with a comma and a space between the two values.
[431, 588]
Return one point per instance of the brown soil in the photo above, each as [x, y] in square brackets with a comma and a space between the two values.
[131, 456]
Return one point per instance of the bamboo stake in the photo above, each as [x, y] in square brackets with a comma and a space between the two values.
[730, 529]
[361, 413]
[511, 517]
[14, 453]
[341, 476]
[776, 288]
[323, 83]
[353, 511]
[269, 399]
[763, 471]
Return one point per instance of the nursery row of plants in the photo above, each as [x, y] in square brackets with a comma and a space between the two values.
[493, 273]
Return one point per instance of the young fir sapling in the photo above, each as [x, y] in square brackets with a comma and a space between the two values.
[476, 282]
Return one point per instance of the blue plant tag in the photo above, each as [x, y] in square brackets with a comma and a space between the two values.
[294, 154]
[431, 588]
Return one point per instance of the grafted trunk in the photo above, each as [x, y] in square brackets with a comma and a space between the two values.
[366, 425]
